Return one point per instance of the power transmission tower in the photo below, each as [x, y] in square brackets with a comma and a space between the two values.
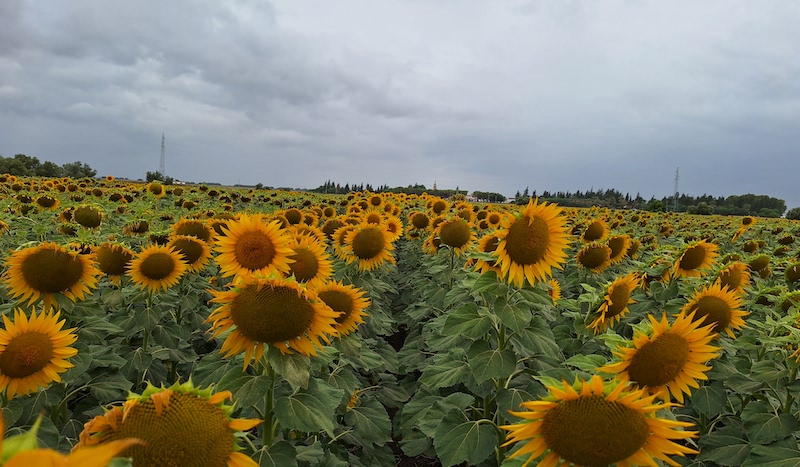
[675, 198]
[161, 166]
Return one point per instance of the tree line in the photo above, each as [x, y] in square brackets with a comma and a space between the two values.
[415, 189]
[22, 165]
[736, 205]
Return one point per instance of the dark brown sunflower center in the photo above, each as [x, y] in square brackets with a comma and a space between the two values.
[51, 271]
[26, 354]
[46, 201]
[493, 218]
[593, 257]
[732, 278]
[305, 266]
[593, 431]
[157, 266]
[368, 243]
[491, 244]
[455, 233]
[338, 301]
[194, 229]
[692, 258]
[294, 216]
[254, 250]
[113, 261]
[660, 361]
[617, 245]
[273, 314]
[713, 310]
[527, 240]
[373, 218]
[420, 221]
[594, 231]
[189, 432]
[439, 206]
[155, 188]
[759, 263]
[793, 273]
[191, 250]
[619, 297]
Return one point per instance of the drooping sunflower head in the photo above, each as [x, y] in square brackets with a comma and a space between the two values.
[594, 423]
[532, 244]
[156, 189]
[112, 260]
[137, 227]
[88, 216]
[311, 263]
[251, 246]
[157, 267]
[195, 252]
[194, 228]
[49, 269]
[33, 352]
[369, 246]
[270, 311]
[595, 256]
[667, 359]
[792, 273]
[457, 234]
[347, 300]
[596, 230]
[695, 259]
[180, 425]
[759, 263]
[717, 305]
[735, 276]
[615, 303]
[47, 202]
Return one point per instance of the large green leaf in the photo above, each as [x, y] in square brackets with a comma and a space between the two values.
[466, 321]
[710, 400]
[458, 440]
[280, 454]
[487, 363]
[294, 368]
[723, 449]
[253, 391]
[310, 409]
[370, 422]
[771, 456]
[445, 374]
[516, 317]
[764, 428]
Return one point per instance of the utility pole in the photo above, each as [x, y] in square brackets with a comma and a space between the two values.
[162, 166]
[675, 198]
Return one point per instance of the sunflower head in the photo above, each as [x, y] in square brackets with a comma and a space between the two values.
[194, 228]
[33, 351]
[457, 234]
[270, 311]
[735, 276]
[311, 263]
[597, 423]
[88, 216]
[619, 245]
[113, 259]
[596, 230]
[347, 300]
[717, 305]
[48, 269]
[180, 425]
[595, 256]
[252, 246]
[369, 246]
[157, 267]
[616, 301]
[195, 252]
[695, 259]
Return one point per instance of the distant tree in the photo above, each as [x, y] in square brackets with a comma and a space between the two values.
[259, 186]
[49, 169]
[655, 205]
[704, 209]
[78, 169]
[793, 214]
[153, 176]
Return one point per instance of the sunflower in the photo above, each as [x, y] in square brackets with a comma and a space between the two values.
[112, 259]
[195, 228]
[419, 220]
[194, 251]
[88, 216]
[157, 267]
[33, 351]
[270, 311]
[554, 290]
[532, 244]
[719, 306]
[156, 189]
[667, 360]
[619, 245]
[595, 230]
[47, 202]
[368, 245]
[792, 273]
[311, 263]
[597, 423]
[487, 244]
[180, 425]
[394, 226]
[615, 303]
[595, 257]
[252, 247]
[347, 300]
[48, 269]
[695, 258]
[457, 234]
[735, 276]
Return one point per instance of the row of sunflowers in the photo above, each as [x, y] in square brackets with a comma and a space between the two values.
[197, 325]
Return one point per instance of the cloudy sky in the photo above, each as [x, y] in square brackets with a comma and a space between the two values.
[485, 95]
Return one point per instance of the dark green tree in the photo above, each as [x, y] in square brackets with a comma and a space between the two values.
[78, 169]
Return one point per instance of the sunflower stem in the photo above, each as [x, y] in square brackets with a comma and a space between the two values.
[270, 424]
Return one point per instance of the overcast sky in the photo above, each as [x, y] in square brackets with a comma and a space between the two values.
[485, 95]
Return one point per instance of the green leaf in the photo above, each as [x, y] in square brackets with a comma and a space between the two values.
[370, 422]
[294, 368]
[458, 440]
[487, 363]
[445, 374]
[710, 400]
[252, 392]
[312, 453]
[771, 456]
[310, 409]
[536, 339]
[466, 321]
[764, 428]
[489, 284]
[731, 455]
[511, 399]
[587, 363]
[767, 371]
[279, 454]
[516, 317]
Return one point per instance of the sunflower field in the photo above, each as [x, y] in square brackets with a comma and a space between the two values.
[153, 325]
